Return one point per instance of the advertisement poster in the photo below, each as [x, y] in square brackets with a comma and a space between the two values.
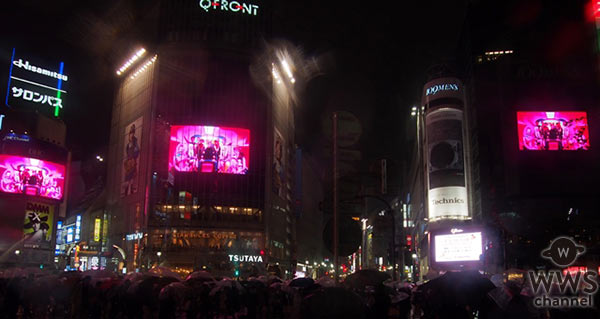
[30, 176]
[448, 202]
[38, 223]
[553, 131]
[458, 247]
[131, 157]
[209, 149]
[278, 164]
[445, 148]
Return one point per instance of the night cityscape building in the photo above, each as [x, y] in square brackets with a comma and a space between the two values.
[530, 107]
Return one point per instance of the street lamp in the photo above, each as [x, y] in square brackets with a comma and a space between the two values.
[17, 252]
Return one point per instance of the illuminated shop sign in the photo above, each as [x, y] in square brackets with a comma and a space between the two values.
[78, 228]
[246, 258]
[30, 176]
[38, 223]
[441, 87]
[31, 84]
[553, 131]
[458, 247]
[97, 226]
[230, 6]
[134, 236]
[209, 149]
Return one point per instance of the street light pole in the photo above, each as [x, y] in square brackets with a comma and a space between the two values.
[335, 200]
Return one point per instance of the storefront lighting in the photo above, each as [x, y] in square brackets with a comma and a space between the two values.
[143, 67]
[17, 252]
[131, 60]
[414, 256]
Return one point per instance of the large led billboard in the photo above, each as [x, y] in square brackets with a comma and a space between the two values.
[553, 131]
[30, 176]
[209, 149]
[458, 247]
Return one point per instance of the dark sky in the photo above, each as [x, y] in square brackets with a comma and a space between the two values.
[377, 53]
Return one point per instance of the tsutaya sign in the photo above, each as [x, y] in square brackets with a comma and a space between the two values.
[226, 5]
[246, 258]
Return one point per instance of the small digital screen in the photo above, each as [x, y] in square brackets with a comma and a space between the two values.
[458, 247]
[553, 131]
[209, 149]
[30, 176]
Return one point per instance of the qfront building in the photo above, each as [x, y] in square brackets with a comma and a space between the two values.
[200, 169]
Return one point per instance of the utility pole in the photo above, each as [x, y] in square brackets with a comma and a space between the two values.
[335, 200]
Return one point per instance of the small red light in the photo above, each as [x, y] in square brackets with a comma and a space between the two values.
[262, 252]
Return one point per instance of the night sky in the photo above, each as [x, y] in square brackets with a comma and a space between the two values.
[376, 56]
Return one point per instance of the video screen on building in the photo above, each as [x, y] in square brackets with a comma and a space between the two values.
[553, 131]
[30, 176]
[458, 247]
[209, 149]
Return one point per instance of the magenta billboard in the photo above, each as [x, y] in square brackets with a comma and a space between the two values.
[30, 176]
[209, 149]
[553, 131]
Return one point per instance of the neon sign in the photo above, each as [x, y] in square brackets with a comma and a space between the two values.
[134, 236]
[553, 131]
[441, 87]
[246, 258]
[209, 149]
[225, 5]
[29, 83]
[30, 176]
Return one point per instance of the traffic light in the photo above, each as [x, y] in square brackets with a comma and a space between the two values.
[237, 272]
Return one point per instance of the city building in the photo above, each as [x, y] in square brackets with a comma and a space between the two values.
[201, 161]
[34, 162]
[530, 106]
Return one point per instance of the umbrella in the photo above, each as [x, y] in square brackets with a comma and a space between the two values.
[325, 282]
[134, 276]
[332, 302]
[99, 274]
[301, 282]
[365, 277]
[457, 288]
[174, 291]
[163, 272]
[200, 276]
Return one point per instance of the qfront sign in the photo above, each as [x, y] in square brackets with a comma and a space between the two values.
[246, 258]
[230, 6]
[32, 85]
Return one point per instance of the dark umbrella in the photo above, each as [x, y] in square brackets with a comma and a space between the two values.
[301, 282]
[332, 302]
[365, 277]
[457, 289]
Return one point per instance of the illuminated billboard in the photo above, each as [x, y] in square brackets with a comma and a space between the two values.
[553, 131]
[458, 247]
[209, 149]
[30, 176]
[38, 223]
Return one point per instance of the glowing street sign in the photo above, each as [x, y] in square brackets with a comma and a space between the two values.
[225, 5]
[97, 226]
[246, 258]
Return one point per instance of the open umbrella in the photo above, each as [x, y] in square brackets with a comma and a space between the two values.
[163, 272]
[301, 282]
[99, 274]
[200, 276]
[457, 288]
[365, 277]
[332, 302]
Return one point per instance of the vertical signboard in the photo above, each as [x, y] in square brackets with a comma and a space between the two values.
[447, 192]
[131, 157]
[37, 228]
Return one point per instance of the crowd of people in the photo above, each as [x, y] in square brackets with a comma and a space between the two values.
[160, 294]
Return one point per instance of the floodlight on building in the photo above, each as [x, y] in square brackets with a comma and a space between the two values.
[144, 67]
[138, 54]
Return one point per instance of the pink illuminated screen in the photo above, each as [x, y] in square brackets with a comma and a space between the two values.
[209, 149]
[553, 131]
[30, 176]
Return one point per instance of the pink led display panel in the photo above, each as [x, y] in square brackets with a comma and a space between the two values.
[553, 131]
[209, 149]
[30, 176]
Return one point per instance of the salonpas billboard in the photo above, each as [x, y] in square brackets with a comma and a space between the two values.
[447, 192]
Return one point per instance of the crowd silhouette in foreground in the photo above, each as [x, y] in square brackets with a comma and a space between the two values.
[161, 294]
